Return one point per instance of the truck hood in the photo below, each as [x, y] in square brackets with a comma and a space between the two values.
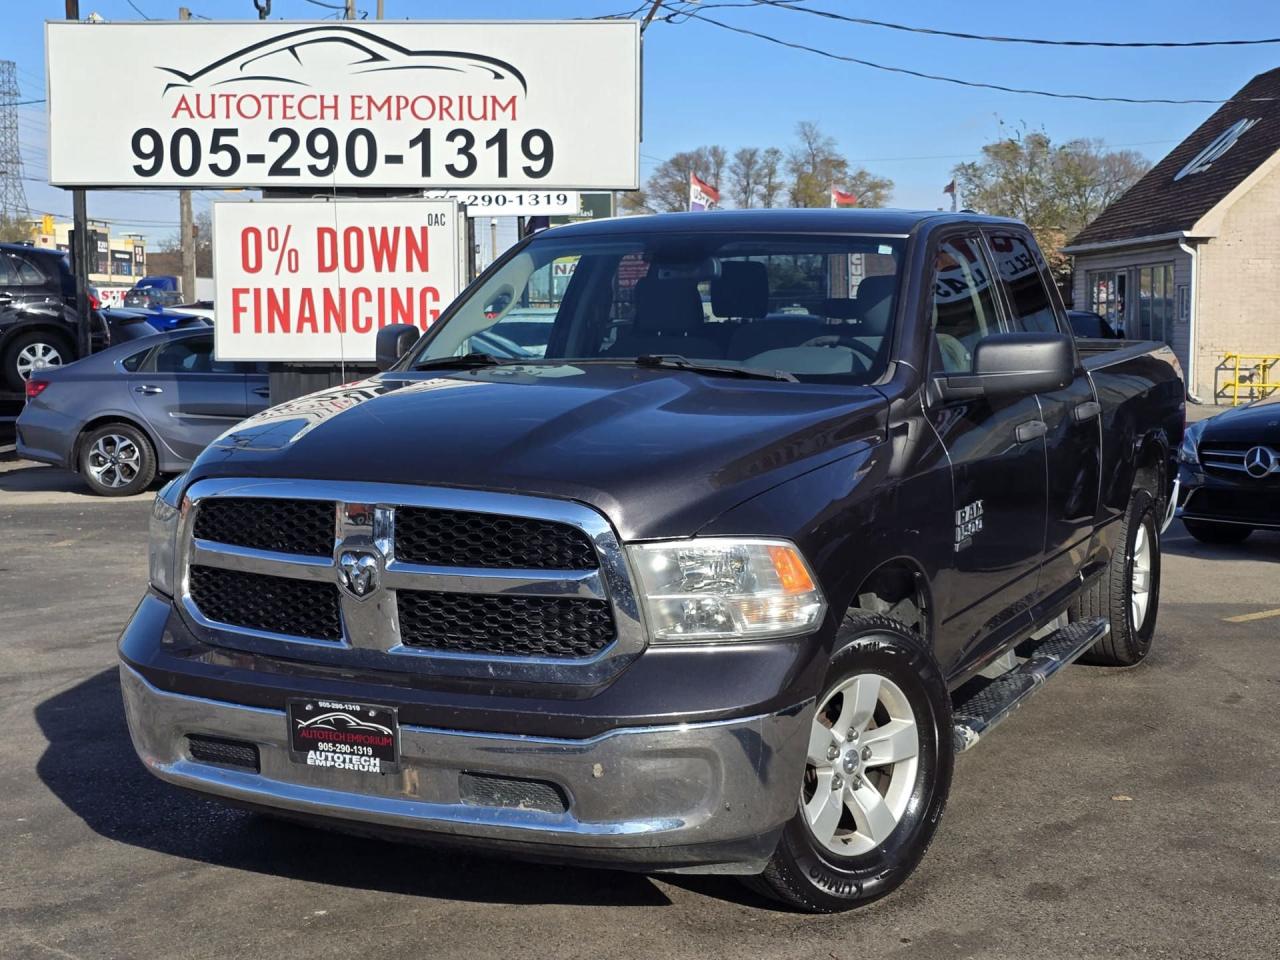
[659, 452]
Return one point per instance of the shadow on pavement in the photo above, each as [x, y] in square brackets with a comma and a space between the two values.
[1262, 545]
[90, 766]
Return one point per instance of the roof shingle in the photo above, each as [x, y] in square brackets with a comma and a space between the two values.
[1157, 204]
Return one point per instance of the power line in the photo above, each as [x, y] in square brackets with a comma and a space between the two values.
[958, 35]
[139, 11]
[20, 103]
[696, 15]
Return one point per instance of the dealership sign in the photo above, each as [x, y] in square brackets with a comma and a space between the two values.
[514, 203]
[314, 280]
[541, 106]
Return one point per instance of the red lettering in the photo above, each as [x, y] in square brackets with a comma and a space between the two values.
[238, 308]
[415, 249]
[277, 311]
[360, 323]
[326, 249]
[335, 315]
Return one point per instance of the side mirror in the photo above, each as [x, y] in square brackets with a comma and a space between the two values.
[1015, 365]
[394, 342]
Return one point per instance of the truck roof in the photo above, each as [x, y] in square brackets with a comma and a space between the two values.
[808, 220]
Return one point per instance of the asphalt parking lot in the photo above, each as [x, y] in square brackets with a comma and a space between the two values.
[1121, 814]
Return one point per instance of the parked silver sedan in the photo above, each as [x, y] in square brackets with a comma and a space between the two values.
[145, 407]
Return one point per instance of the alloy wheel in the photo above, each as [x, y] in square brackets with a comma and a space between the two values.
[862, 763]
[114, 460]
[1140, 577]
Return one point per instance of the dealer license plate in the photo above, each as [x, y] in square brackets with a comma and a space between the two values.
[344, 736]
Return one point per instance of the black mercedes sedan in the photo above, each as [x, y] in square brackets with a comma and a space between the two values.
[1230, 473]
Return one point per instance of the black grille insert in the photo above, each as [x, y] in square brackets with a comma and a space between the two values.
[228, 753]
[287, 526]
[455, 538]
[504, 626]
[299, 608]
[485, 790]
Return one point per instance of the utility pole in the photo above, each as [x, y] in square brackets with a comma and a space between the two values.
[80, 247]
[380, 11]
[351, 9]
[186, 225]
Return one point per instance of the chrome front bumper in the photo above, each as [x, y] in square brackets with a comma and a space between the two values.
[708, 797]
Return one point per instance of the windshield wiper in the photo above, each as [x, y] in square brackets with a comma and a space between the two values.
[673, 361]
[462, 362]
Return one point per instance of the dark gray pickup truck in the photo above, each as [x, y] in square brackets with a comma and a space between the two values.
[783, 511]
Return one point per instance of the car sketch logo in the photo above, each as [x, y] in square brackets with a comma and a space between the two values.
[340, 721]
[311, 56]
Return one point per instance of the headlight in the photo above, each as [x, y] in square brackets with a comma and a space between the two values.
[1188, 452]
[726, 589]
[163, 528]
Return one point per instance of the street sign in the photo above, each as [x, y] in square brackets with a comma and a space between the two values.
[514, 203]
[314, 279]
[544, 106]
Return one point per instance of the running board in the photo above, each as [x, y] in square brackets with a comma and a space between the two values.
[974, 717]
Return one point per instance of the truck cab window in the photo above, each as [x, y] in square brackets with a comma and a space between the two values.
[1024, 276]
[964, 307]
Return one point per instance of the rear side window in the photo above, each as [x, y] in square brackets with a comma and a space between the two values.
[190, 355]
[964, 303]
[16, 271]
[132, 363]
[1024, 276]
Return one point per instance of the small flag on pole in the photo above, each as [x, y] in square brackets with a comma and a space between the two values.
[702, 195]
[841, 198]
[950, 188]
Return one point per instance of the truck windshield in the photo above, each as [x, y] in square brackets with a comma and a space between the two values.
[817, 307]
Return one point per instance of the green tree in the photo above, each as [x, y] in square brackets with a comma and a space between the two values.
[667, 188]
[14, 230]
[1056, 189]
[816, 165]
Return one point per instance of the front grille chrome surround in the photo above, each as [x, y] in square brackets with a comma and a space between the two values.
[365, 520]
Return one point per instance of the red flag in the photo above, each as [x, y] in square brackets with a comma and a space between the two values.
[840, 198]
[950, 188]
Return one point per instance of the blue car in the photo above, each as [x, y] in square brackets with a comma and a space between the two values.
[141, 408]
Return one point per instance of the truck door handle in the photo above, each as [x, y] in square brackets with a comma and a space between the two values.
[147, 390]
[1086, 411]
[262, 391]
[1031, 430]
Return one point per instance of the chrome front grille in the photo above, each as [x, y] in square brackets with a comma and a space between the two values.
[438, 581]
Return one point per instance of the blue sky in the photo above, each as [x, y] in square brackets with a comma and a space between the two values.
[704, 85]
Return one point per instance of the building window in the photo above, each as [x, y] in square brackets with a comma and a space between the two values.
[1105, 293]
[1155, 302]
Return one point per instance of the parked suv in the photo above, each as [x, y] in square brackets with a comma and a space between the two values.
[37, 312]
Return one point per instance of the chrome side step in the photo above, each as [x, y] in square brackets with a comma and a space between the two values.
[994, 700]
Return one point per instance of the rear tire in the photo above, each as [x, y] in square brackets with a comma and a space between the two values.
[1119, 594]
[873, 793]
[27, 353]
[1207, 532]
[117, 460]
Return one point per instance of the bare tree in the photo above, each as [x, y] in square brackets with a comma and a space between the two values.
[633, 201]
[770, 177]
[744, 177]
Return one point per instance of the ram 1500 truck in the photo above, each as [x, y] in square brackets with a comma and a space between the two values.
[714, 568]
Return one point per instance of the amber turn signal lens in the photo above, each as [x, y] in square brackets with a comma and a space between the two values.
[790, 569]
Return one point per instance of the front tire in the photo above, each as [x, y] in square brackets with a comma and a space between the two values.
[1128, 592]
[117, 460]
[1224, 533]
[877, 774]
